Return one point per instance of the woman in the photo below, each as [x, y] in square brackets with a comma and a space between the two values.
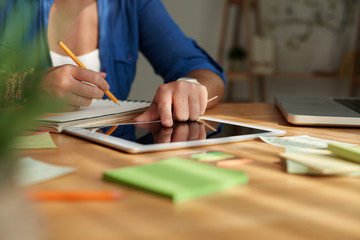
[107, 36]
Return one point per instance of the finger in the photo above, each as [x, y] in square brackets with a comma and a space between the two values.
[203, 99]
[202, 132]
[163, 136]
[151, 114]
[194, 106]
[181, 107]
[163, 99]
[77, 100]
[68, 108]
[90, 77]
[194, 131]
[160, 134]
[181, 133]
[85, 90]
[102, 74]
[153, 127]
[164, 111]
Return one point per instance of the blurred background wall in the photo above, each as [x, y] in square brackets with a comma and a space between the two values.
[304, 45]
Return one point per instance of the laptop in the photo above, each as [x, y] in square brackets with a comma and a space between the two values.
[320, 111]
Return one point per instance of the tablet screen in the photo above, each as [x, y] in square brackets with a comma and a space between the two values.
[154, 132]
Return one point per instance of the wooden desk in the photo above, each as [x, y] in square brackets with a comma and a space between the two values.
[273, 205]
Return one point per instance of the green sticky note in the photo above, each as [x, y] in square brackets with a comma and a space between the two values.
[351, 153]
[212, 156]
[177, 178]
[43, 140]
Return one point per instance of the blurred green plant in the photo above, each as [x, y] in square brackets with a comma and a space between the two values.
[16, 118]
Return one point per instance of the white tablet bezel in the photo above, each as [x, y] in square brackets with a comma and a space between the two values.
[133, 147]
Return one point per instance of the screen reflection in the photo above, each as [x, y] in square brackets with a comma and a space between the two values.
[154, 132]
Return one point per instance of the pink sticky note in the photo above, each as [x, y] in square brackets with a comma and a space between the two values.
[41, 132]
[234, 162]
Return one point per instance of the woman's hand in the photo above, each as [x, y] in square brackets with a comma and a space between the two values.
[180, 101]
[76, 85]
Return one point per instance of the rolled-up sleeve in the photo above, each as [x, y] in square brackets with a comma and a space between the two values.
[170, 52]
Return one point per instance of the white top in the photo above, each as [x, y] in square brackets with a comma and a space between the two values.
[91, 60]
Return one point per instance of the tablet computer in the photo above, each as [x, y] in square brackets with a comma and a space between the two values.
[152, 136]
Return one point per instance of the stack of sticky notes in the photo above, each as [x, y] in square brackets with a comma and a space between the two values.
[178, 178]
[338, 159]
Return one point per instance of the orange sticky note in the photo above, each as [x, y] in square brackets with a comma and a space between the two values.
[234, 162]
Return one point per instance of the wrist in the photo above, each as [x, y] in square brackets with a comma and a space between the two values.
[188, 79]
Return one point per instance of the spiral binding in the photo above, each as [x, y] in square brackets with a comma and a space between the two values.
[139, 101]
[123, 101]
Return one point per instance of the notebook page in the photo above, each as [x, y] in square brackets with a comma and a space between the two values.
[98, 108]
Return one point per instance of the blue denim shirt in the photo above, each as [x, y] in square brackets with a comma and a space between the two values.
[125, 28]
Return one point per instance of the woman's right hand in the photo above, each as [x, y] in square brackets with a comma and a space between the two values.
[78, 86]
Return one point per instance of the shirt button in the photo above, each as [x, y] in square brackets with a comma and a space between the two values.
[130, 57]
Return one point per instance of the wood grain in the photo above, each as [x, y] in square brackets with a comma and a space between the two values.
[273, 205]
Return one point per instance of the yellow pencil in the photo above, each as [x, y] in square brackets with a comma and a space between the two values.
[206, 124]
[213, 98]
[111, 130]
[80, 64]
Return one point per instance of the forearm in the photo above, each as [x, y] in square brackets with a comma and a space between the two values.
[213, 83]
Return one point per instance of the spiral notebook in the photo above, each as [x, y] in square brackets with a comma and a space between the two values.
[101, 111]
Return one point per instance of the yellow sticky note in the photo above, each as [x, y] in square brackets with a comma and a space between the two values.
[325, 163]
[34, 142]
